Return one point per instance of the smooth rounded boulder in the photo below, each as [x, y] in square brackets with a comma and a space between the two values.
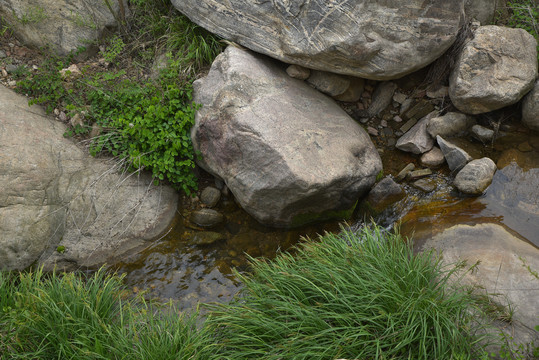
[377, 40]
[494, 70]
[289, 154]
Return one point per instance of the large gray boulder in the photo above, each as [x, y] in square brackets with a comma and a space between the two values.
[288, 153]
[370, 39]
[60, 207]
[530, 108]
[62, 25]
[494, 70]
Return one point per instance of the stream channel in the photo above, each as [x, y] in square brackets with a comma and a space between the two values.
[176, 268]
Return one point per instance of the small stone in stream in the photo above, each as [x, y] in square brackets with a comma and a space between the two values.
[210, 196]
[391, 142]
[372, 131]
[404, 172]
[62, 116]
[2, 54]
[383, 123]
[12, 83]
[426, 185]
[433, 158]
[408, 125]
[525, 147]
[364, 120]
[4, 73]
[482, 134]
[298, 72]
[397, 119]
[417, 174]
[206, 238]
[476, 176]
[456, 157]
[385, 193]
[207, 217]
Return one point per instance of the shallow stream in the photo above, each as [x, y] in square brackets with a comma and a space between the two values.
[174, 267]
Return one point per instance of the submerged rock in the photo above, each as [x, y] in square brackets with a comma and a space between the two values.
[504, 268]
[207, 217]
[288, 153]
[210, 196]
[495, 69]
[368, 39]
[384, 193]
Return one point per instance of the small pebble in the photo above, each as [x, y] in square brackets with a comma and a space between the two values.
[372, 131]
[397, 119]
[383, 123]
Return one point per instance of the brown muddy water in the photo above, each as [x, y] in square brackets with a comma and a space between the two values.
[174, 267]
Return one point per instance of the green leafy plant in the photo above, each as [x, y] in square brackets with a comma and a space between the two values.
[524, 14]
[113, 49]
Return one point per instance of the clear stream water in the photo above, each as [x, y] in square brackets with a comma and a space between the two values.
[175, 268]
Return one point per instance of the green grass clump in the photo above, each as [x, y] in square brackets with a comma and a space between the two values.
[350, 296]
[71, 317]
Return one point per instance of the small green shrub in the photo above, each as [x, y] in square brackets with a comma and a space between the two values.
[115, 46]
[524, 14]
[350, 296]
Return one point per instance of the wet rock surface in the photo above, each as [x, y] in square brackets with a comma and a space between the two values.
[504, 268]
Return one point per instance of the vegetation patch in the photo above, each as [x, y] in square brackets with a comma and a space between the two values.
[142, 120]
[69, 316]
[351, 296]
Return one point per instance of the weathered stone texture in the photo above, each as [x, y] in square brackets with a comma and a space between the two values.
[371, 39]
[287, 152]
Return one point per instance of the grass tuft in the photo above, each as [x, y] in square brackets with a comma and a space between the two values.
[351, 296]
[68, 316]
